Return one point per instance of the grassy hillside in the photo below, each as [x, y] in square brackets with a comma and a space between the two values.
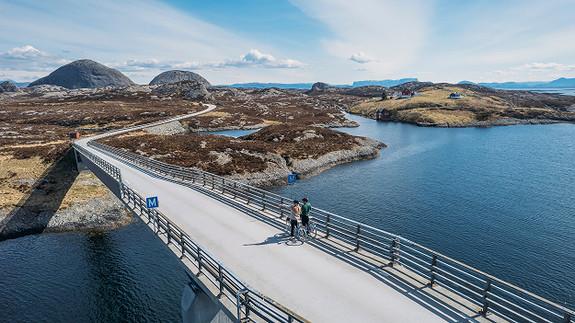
[433, 106]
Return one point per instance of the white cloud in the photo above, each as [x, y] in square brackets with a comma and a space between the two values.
[391, 32]
[28, 63]
[544, 67]
[26, 52]
[126, 34]
[360, 58]
[255, 58]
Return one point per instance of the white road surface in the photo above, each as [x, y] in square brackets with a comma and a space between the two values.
[305, 279]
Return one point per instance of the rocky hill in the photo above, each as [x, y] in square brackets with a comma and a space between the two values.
[84, 73]
[178, 76]
[187, 90]
[8, 87]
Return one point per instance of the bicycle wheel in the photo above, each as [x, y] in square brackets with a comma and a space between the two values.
[301, 233]
[313, 230]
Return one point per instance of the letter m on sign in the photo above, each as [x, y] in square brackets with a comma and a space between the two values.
[152, 202]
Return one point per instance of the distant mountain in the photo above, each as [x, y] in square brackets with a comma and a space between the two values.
[18, 84]
[307, 86]
[84, 73]
[299, 86]
[386, 83]
[558, 83]
[178, 76]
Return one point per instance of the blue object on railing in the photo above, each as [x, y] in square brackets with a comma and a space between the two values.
[152, 202]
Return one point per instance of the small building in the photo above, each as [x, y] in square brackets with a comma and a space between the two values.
[383, 114]
[455, 95]
[407, 93]
[74, 134]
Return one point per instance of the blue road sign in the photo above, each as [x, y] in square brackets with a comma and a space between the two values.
[152, 202]
[291, 178]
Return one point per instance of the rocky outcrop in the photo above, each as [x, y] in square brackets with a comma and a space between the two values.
[170, 128]
[96, 214]
[367, 91]
[320, 87]
[8, 87]
[187, 90]
[178, 76]
[496, 123]
[84, 73]
[367, 149]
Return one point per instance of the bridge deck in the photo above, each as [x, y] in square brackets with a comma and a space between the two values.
[322, 280]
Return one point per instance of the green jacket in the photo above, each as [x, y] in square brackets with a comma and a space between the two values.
[305, 209]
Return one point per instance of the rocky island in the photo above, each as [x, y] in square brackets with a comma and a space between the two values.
[467, 105]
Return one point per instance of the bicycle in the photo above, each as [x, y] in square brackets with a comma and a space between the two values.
[305, 232]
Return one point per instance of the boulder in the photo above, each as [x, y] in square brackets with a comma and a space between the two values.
[8, 87]
[84, 73]
[187, 90]
[178, 76]
[321, 87]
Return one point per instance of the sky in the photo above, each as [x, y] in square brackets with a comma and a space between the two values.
[294, 41]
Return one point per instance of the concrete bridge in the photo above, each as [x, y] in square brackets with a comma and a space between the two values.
[244, 267]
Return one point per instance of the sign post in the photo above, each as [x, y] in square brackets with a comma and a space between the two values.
[152, 202]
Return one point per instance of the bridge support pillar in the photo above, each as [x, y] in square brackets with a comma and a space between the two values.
[197, 307]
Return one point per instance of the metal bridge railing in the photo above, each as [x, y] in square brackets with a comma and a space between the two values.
[251, 305]
[490, 294]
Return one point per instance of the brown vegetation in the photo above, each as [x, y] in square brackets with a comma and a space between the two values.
[224, 155]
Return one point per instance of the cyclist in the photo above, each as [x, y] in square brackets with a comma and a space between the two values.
[295, 211]
[305, 209]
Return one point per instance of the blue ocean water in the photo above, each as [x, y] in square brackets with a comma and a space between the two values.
[500, 199]
[123, 275]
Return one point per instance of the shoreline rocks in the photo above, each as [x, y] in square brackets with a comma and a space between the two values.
[496, 123]
[274, 176]
[96, 214]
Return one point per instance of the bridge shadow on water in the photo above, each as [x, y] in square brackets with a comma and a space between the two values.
[34, 211]
[442, 304]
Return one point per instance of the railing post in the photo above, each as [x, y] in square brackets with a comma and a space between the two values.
[235, 190]
[248, 195]
[156, 224]
[327, 225]
[485, 298]
[357, 237]
[223, 186]
[213, 182]
[199, 260]
[169, 232]
[263, 201]
[281, 208]
[394, 257]
[182, 244]
[204, 177]
[433, 265]
[247, 297]
[239, 302]
[221, 279]
[567, 318]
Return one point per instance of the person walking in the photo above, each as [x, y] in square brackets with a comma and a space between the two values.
[305, 210]
[295, 211]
